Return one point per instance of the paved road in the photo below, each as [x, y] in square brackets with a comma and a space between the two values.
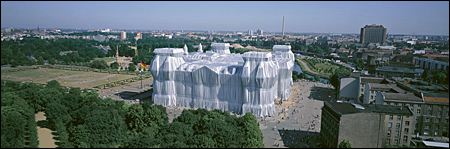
[302, 112]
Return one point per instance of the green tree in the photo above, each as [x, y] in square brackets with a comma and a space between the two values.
[14, 63]
[114, 65]
[294, 76]
[40, 60]
[13, 127]
[334, 80]
[253, 135]
[316, 78]
[426, 74]
[52, 61]
[99, 64]
[345, 144]
[132, 67]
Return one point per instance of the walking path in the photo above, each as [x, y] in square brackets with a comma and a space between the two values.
[299, 117]
[45, 136]
[307, 68]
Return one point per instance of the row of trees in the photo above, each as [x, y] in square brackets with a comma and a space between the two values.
[15, 52]
[18, 128]
[82, 119]
[436, 75]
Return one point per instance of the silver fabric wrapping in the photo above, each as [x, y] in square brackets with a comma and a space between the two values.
[240, 83]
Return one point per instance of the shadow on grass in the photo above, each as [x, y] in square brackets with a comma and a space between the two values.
[299, 138]
[56, 138]
[45, 124]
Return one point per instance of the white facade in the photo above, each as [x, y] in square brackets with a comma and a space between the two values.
[419, 52]
[218, 79]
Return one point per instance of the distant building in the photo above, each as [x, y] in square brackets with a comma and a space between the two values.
[365, 125]
[387, 47]
[352, 87]
[373, 34]
[431, 64]
[123, 35]
[139, 36]
[105, 30]
[387, 71]
[259, 32]
[430, 110]
[250, 32]
[419, 52]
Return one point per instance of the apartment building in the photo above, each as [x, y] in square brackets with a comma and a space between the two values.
[365, 125]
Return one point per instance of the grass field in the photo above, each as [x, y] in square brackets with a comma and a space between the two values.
[69, 78]
[323, 67]
[107, 59]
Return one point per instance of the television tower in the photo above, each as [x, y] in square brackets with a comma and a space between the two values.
[283, 27]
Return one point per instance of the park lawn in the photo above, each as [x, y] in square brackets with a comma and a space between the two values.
[107, 59]
[68, 78]
[322, 66]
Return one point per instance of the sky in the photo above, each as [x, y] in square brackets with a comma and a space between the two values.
[399, 17]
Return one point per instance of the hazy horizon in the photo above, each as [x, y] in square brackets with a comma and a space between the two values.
[418, 17]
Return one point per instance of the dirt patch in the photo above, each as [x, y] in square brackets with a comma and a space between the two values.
[44, 134]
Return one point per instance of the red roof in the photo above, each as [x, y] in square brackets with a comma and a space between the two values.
[434, 55]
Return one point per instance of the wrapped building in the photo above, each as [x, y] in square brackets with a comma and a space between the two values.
[218, 79]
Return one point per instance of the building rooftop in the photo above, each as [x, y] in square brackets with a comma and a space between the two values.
[350, 108]
[402, 97]
[434, 55]
[386, 87]
[399, 69]
[440, 97]
[371, 80]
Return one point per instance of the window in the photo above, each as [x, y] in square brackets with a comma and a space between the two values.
[419, 105]
[398, 125]
[392, 103]
[429, 112]
[388, 141]
[396, 142]
[437, 127]
[405, 139]
[406, 130]
[445, 128]
[427, 127]
[426, 132]
[407, 123]
[439, 114]
[418, 111]
[389, 132]
[371, 96]
[390, 125]
[426, 120]
[391, 117]
[399, 117]
[436, 132]
[396, 133]
[429, 106]
[399, 104]
[438, 120]
[407, 104]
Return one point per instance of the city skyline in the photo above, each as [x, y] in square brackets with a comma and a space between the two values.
[300, 17]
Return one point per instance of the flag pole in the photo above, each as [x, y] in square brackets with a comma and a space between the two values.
[141, 75]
